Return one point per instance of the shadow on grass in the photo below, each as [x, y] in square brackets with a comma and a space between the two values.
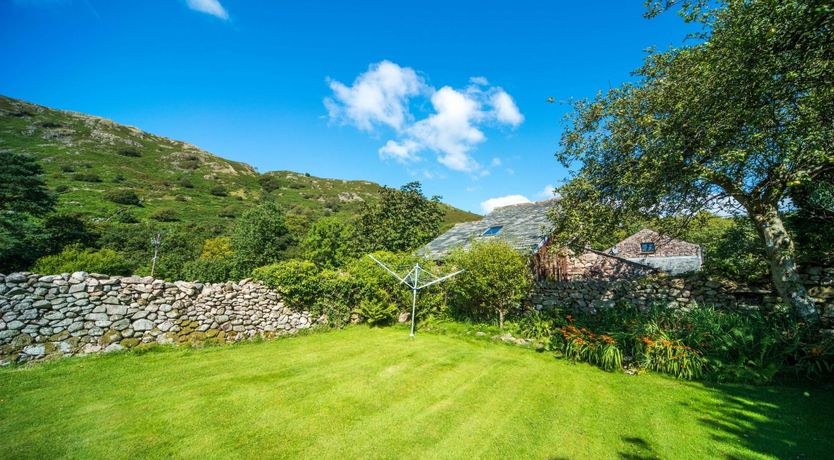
[640, 449]
[780, 422]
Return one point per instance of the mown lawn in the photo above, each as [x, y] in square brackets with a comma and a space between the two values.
[375, 393]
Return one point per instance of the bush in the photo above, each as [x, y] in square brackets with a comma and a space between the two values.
[330, 242]
[495, 280]
[185, 183]
[118, 178]
[219, 190]
[296, 280]
[86, 177]
[212, 270]
[705, 342]
[375, 312]
[61, 188]
[260, 236]
[130, 153]
[228, 211]
[165, 215]
[75, 258]
[128, 197]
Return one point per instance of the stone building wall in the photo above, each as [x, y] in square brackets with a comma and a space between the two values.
[80, 313]
[682, 292]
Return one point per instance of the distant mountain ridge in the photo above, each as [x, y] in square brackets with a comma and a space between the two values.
[99, 167]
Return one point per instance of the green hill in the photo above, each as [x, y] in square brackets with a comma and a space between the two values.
[100, 168]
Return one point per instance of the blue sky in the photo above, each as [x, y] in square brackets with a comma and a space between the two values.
[448, 93]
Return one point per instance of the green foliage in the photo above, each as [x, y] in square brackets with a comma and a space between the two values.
[705, 123]
[375, 312]
[133, 153]
[86, 177]
[22, 186]
[212, 270]
[260, 236]
[61, 230]
[580, 344]
[23, 199]
[731, 249]
[495, 280]
[296, 280]
[122, 196]
[330, 242]
[75, 258]
[165, 215]
[704, 342]
[181, 243]
[219, 190]
[217, 248]
[402, 220]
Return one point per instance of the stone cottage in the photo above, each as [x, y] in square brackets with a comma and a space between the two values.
[671, 255]
[527, 228]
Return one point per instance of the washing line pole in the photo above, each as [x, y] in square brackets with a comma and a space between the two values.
[414, 297]
[414, 283]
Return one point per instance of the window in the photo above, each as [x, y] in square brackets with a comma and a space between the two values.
[492, 231]
[646, 247]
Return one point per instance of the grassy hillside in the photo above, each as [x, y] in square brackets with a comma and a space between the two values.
[88, 160]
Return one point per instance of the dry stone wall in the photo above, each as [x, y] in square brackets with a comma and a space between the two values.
[80, 313]
[677, 292]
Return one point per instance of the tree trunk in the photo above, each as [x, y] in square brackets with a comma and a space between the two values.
[780, 254]
[501, 319]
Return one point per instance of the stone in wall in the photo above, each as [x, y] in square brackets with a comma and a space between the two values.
[80, 313]
[677, 292]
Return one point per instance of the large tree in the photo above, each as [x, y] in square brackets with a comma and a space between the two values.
[401, 220]
[24, 199]
[742, 115]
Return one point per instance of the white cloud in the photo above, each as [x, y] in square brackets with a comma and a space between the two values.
[402, 152]
[212, 7]
[378, 96]
[548, 191]
[505, 109]
[450, 130]
[479, 81]
[492, 203]
[495, 162]
[382, 97]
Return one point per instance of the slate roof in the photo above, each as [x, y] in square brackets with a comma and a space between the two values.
[524, 226]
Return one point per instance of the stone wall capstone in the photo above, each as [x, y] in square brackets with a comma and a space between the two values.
[81, 313]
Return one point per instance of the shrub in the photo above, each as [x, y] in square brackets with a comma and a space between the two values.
[165, 215]
[130, 153]
[128, 197]
[61, 188]
[228, 211]
[119, 178]
[260, 236]
[330, 242]
[217, 248]
[375, 312]
[212, 270]
[86, 177]
[185, 183]
[75, 258]
[295, 279]
[219, 190]
[67, 168]
[495, 280]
